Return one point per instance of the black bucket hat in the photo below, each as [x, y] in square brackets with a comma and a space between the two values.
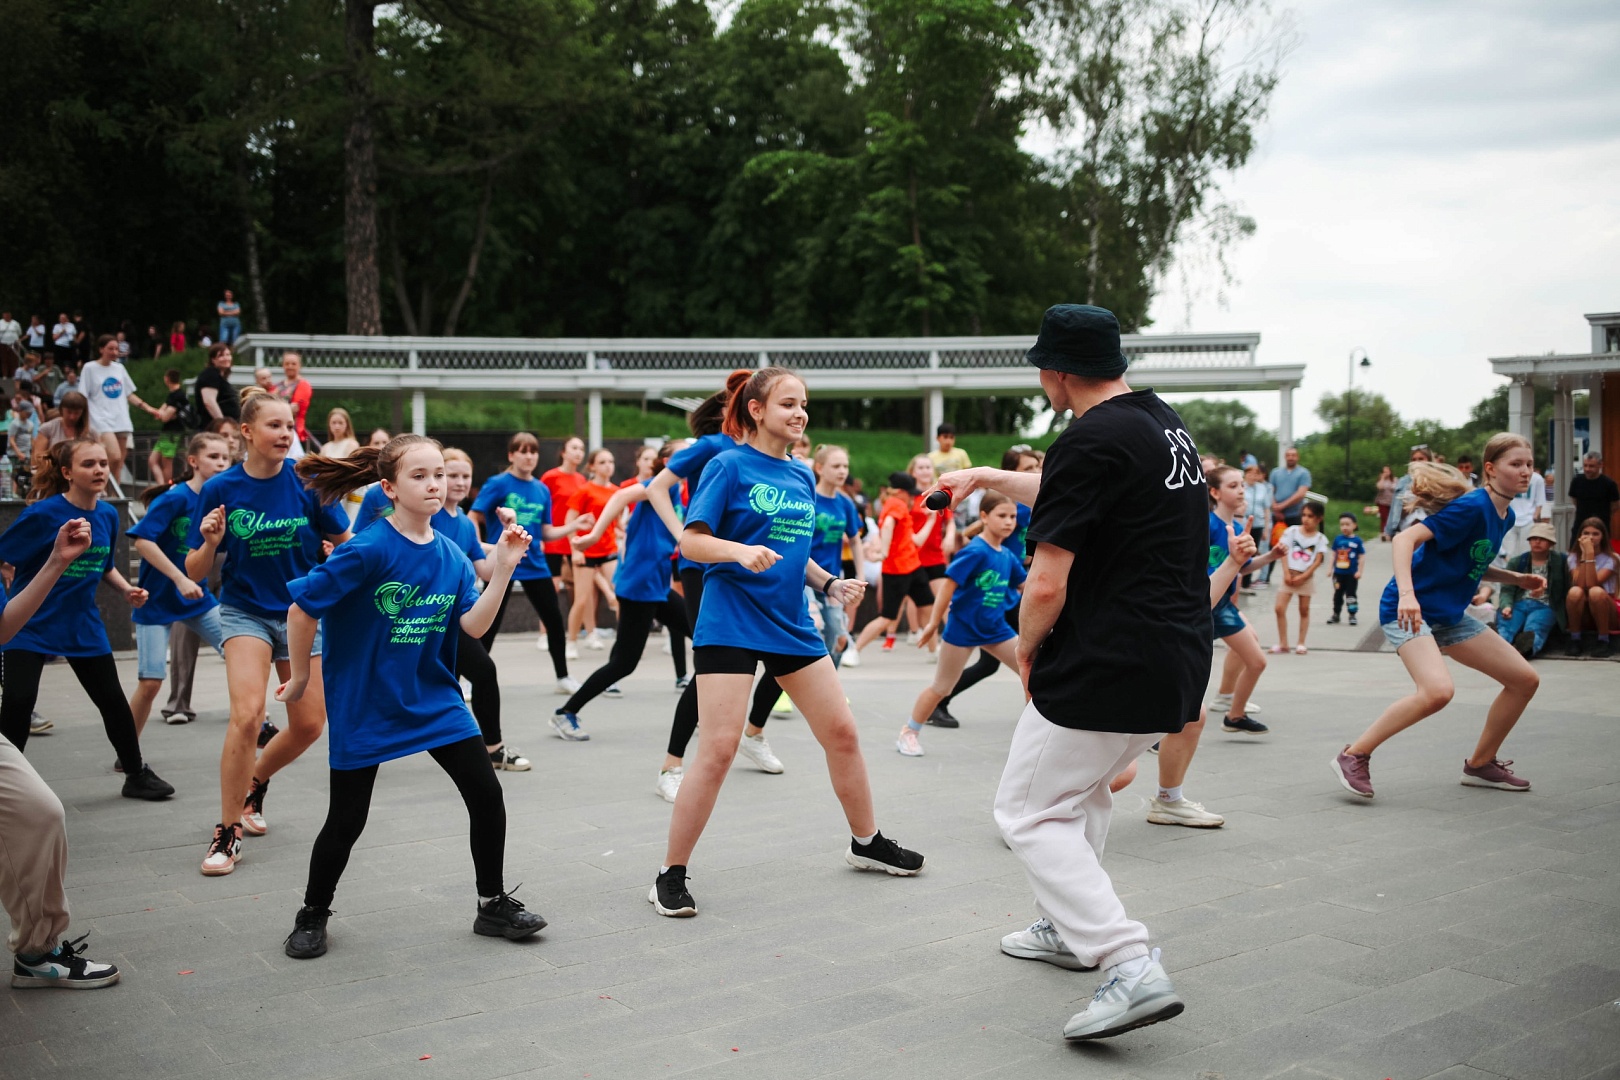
[1081, 340]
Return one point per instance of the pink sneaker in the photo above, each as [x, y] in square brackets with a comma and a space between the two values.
[1495, 774]
[1352, 771]
[907, 743]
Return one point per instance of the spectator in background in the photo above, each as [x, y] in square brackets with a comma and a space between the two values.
[296, 391]
[1257, 507]
[1290, 483]
[1247, 460]
[69, 374]
[26, 371]
[106, 385]
[62, 335]
[1594, 494]
[230, 318]
[216, 397]
[1383, 498]
[1465, 465]
[123, 346]
[177, 338]
[172, 440]
[71, 422]
[1529, 507]
[1526, 622]
[154, 342]
[1591, 596]
[10, 335]
[21, 429]
[340, 440]
[1399, 510]
[36, 334]
[81, 339]
[379, 438]
[948, 458]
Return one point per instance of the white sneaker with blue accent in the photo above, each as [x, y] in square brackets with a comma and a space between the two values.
[566, 725]
[1041, 942]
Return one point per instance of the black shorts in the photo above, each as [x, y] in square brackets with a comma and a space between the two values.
[934, 572]
[733, 660]
[554, 563]
[600, 560]
[896, 587]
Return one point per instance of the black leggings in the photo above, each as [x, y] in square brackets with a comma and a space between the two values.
[473, 663]
[468, 766]
[542, 596]
[685, 723]
[982, 668]
[635, 623]
[99, 677]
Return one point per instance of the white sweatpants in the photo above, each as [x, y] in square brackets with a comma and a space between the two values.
[1053, 807]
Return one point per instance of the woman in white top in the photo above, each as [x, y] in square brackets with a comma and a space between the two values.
[106, 385]
[340, 440]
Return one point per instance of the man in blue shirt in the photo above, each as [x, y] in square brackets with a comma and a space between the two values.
[1289, 484]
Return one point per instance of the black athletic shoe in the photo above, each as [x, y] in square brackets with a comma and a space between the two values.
[1602, 650]
[505, 916]
[1244, 725]
[1573, 648]
[1333, 620]
[146, 785]
[1525, 642]
[267, 731]
[885, 855]
[63, 968]
[308, 939]
[941, 717]
[669, 896]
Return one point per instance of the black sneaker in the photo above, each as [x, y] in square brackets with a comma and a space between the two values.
[669, 896]
[1154, 749]
[883, 854]
[1244, 725]
[63, 968]
[1573, 648]
[308, 939]
[146, 785]
[1525, 642]
[1333, 620]
[941, 717]
[267, 731]
[1602, 650]
[505, 916]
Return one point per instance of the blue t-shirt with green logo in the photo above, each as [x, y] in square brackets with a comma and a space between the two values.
[68, 623]
[460, 531]
[985, 582]
[390, 612]
[167, 524]
[273, 531]
[836, 518]
[373, 505]
[1220, 546]
[1446, 570]
[644, 572]
[1015, 542]
[751, 498]
[530, 500]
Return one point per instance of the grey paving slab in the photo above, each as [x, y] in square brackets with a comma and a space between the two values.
[1439, 931]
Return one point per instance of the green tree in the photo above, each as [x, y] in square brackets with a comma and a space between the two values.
[1227, 429]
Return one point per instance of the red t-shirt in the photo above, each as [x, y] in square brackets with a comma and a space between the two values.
[593, 499]
[932, 552]
[298, 394]
[562, 486]
[902, 557]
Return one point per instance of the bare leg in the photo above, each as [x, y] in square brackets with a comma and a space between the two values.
[140, 704]
[872, 630]
[1433, 692]
[306, 718]
[1489, 655]
[820, 697]
[723, 708]
[582, 613]
[1304, 617]
[1601, 606]
[1281, 610]
[247, 672]
[1244, 648]
[1176, 752]
[1575, 608]
[1230, 667]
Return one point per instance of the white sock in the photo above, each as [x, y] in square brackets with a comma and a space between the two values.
[1134, 968]
[1170, 794]
[864, 840]
[485, 901]
[663, 869]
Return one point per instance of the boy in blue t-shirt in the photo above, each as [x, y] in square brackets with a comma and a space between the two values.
[1348, 552]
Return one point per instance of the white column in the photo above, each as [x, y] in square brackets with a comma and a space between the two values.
[1522, 408]
[935, 417]
[1285, 418]
[1563, 455]
[593, 420]
[419, 412]
[1594, 413]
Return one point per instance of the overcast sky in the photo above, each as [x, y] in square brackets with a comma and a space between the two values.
[1439, 182]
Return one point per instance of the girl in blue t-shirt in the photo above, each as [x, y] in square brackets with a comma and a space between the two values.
[837, 520]
[1439, 562]
[750, 523]
[393, 600]
[271, 530]
[68, 624]
[529, 500]
[979, 587]
[1245, 659]
[172, 597]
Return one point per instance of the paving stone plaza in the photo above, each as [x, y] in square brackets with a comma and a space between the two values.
[1439, 931]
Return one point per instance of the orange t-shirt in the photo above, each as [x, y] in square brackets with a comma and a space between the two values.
[902, 557]
[932, 552]
[593, 499]
[562, 486]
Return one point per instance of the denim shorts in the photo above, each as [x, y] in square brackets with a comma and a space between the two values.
[1226, 618]
[1445, 636]
[234, 622]
[152, 642]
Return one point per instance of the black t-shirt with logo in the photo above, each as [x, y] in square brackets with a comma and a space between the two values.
[1121, 488]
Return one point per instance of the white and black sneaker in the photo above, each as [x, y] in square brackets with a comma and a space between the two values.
[508, 758]
[1243, 725]
[669, 896]
[63, 968]
[885, 855]
[614, 691]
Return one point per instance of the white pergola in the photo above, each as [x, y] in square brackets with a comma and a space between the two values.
[646, 369]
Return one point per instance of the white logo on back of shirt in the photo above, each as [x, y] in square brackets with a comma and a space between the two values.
[1183, 460]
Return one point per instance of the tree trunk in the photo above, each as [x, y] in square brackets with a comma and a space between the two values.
[479, 233]
[361, 273]
[250, 247]
[401, 295]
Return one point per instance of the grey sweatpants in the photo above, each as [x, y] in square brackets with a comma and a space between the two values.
[33, 856]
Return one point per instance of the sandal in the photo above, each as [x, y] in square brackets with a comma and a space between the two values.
[1300, 650]
[1279, 649]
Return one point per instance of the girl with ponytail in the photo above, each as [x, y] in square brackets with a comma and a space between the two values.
[270, 529]
[397, 599]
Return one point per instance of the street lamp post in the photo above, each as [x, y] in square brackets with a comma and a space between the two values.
[1350, 410]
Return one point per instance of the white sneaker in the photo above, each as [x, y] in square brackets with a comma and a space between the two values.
[668, 649]
[38, 725]
[669, 783]
[594, 641]
[907, 743]
[1041, 942]
[913, 637]
[1182, 812]
[543, 644]
[1222, 703]
[851, 658]
[930, 657]
[1125, 1002]
[681, 684]
[568, 686]
[757, 750]
[613, 691]
[466, 690]
[571, 652]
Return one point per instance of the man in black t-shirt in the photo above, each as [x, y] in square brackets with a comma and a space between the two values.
[1594, 494]
[1114, 648]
